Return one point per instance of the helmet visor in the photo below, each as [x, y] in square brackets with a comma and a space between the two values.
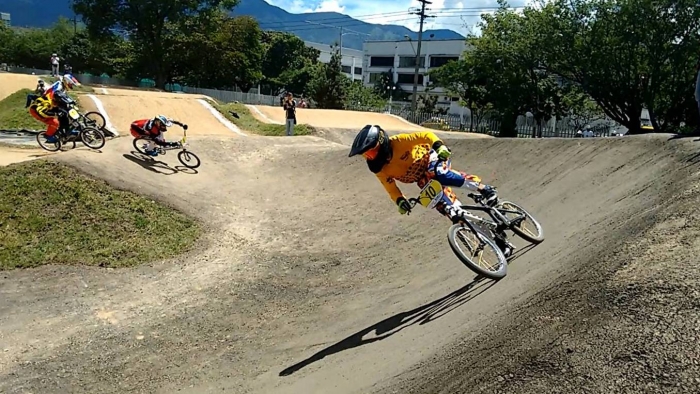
[372, 153]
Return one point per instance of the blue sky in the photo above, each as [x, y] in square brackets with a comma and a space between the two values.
[458, 15]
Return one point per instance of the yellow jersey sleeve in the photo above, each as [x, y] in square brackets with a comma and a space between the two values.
[422, 137]
[390, 186]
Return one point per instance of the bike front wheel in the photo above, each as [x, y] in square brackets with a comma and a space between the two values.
[477, 251]
[188, 159]
[92, 138]
[49, 146]
[529, 228]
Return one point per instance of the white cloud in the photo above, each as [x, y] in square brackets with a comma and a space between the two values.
[459, 15]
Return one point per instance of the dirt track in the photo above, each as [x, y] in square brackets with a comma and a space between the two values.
[10, 83]
[309, 272]
[334, 119]
[124, 106]
[9, 155]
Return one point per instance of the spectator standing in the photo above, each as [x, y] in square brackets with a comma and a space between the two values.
[290, 107]
[54, 65]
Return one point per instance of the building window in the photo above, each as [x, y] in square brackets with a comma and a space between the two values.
[410, 61]
[408, 78]
[346, 69]
[439, 61]
[358, 70]
[381, 61]
[374, 77]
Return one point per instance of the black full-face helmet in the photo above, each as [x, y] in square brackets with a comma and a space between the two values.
[372, 143]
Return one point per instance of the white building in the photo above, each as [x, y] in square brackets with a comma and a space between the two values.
[399, 57]
[351, 58]
[5, 19]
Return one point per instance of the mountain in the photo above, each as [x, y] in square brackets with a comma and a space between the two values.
[42, 13]
[275, 18]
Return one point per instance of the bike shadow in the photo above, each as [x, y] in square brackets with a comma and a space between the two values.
[157, 166]
[384, 329]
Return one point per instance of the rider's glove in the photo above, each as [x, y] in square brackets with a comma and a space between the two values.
[404, 206]
[184, 126]
[443, 153]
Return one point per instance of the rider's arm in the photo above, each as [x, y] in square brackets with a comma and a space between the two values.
[184, 126]
[390, 186]
[421, 137]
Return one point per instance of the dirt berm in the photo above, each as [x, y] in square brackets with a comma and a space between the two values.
[309, 281]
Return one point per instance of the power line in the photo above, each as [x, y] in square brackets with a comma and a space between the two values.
[473, 11]
[423, 16]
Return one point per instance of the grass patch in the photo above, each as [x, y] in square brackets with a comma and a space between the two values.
[13, 115]
[52, 214]
[248, 122]
[19, 146]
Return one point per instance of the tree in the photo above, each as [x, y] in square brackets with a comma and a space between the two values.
[287, 62]
[464, 79]
[385, 86]
[146, 22]
[626, 54]
[362, 97]
[328, 87]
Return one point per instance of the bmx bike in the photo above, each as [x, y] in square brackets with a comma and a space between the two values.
[186, 157]
[466, 225]
[90, 136]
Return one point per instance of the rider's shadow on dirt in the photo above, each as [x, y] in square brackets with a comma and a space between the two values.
[157, 166]
[388, 327]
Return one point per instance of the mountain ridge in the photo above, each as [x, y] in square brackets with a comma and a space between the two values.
[33, 13]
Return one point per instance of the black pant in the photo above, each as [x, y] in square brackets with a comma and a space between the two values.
[30, 98]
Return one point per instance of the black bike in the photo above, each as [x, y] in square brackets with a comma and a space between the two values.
[467, 225]
[71, 119]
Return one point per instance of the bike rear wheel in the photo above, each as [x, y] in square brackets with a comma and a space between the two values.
[92, 138]
[529, 229]
[95, 119]
[472, 254]
[49, 146]
[188, 159]
[140, 144]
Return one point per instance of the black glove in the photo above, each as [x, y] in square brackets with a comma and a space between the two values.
[404, 205]
[184, 126]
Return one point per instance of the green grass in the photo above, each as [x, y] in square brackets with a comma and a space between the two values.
[248, 123]
[13, 115]
[52, 214]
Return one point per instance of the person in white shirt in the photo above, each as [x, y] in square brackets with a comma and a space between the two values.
[54, 65]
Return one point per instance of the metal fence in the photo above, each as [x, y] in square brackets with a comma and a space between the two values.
[228, 96]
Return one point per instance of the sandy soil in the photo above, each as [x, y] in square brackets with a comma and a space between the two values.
[124, 109]
[10, 83]
[9, 155]
[335, 119]
[309, 281]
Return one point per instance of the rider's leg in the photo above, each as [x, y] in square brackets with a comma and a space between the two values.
[51, 123]
[444, 174]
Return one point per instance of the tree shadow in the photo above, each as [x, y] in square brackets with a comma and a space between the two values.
[157, 166]
[422, 315]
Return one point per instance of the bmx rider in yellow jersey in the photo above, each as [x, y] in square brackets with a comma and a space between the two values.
[415, 158]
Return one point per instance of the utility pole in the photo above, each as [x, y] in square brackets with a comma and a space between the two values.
[414, 101]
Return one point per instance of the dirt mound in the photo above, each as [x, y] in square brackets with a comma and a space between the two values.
[10, 83]
[335, 119]
[123, 106]
[310, 282]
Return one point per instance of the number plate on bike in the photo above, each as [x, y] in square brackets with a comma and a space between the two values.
[73, 114]
[431, 194]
